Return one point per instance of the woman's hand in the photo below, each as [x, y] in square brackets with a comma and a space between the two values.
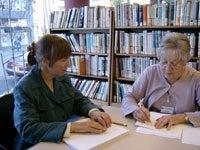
[102, 118]
[142, 114]
[87, 127]
[168, 121]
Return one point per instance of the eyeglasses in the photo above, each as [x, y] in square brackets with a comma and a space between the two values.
[174, 64]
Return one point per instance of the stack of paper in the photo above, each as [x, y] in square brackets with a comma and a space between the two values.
[191, 135]
[84, 141]
[148, 128]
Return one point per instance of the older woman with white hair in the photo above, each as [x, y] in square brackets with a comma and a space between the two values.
[169, 87]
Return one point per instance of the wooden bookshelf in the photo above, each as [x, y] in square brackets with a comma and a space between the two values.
[85, 33]
[114, 54]
[122, 32]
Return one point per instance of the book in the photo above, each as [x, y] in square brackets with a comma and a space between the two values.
[148, 127]
[88, 141]
[81, 66]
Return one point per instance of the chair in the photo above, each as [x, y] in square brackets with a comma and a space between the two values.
[7, 129]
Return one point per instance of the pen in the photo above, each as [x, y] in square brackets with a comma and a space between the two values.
[140, 104]
[119, 123]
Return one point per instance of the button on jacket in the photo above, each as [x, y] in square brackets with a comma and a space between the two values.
[40, 114]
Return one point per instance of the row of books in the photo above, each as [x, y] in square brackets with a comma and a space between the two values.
[84, 17]
[199, 45]
[195, 65]
[91, 88]
[120, 89]
[175, 12]
[132, 67]
[89, 42]
[91, 64]
[146, 42]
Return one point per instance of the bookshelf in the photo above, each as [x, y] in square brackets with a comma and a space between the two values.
[90, 38]
[138, 31]
[132, 34]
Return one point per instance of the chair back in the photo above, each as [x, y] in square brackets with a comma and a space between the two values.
[7, 129]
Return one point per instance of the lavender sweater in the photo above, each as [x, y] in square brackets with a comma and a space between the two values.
[153, 87]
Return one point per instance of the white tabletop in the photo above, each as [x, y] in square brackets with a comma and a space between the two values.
[132, 140]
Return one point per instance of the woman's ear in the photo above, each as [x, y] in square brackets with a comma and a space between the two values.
[45, 62]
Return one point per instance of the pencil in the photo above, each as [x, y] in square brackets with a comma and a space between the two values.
[119, 123]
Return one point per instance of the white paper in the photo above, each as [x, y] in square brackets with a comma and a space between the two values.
[149, 128]
[86, 141]
[191, 136]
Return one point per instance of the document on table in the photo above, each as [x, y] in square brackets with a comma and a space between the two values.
[86, 141]
[148, 128]
[191, 135]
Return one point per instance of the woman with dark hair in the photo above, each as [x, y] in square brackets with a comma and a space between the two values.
[45, 98]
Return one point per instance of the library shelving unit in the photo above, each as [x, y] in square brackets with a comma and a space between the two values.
[91, 44]
[135, 42]
[134, 33]
[128, 66]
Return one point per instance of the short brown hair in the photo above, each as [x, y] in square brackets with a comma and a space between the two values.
[51, 47]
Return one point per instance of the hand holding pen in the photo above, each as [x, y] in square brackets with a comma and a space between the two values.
[142, 114]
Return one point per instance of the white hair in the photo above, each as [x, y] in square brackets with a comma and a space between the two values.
[174, 43]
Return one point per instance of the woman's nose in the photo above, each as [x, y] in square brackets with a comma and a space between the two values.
[169, 66]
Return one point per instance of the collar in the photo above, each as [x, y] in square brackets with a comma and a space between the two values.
[35, 74]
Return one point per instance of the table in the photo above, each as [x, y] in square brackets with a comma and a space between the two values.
[131, 141]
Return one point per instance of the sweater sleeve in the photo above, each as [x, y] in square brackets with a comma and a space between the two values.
[194, 117]
[134, 94]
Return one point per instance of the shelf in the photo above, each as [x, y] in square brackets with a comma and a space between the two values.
[85, 53]
[135, 55]
[125, 79]
[148, 55]
[194, 58]
[163, 28]
[87, 76]
[79, 30]
[12, 29]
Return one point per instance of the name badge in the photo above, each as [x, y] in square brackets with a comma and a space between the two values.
[167, 110]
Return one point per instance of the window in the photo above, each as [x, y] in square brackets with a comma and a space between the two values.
[21, 22]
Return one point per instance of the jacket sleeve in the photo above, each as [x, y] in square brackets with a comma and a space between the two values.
[27, 120]
[82, 104]
[134, 94]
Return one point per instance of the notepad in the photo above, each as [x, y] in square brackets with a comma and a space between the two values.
[191, 135]
[148, 128]
[88, 141]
